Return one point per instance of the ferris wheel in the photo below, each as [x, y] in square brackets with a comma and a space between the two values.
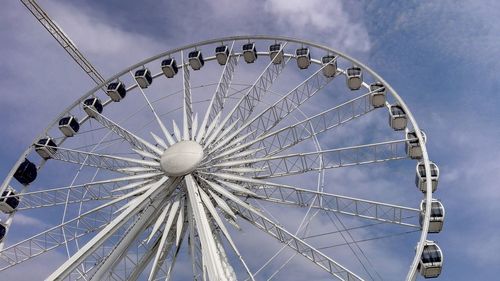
[234, 159]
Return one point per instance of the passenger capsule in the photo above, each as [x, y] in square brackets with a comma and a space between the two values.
[69, 126]
[329, 65]
[143, 78]
[249, 52]
[26, 172]
[354, 78]
[413, 147]
[3, 231]
[377, 96]
[303, 57]
[222, 54]
[276, 53]
[46, 147]
[437, 215]
[169, 67]
[92, 107]
[421, 177]
[431, 261]
[9, 201]
[196, 60]
[397, 117]
[116, 91]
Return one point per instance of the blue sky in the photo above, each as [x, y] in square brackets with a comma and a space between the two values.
[442, 57]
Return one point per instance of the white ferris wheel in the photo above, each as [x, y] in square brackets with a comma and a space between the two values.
[232, 158]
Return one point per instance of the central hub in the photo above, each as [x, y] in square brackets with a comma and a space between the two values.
[181, 158]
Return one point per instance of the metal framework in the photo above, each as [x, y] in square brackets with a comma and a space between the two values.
[147, 200]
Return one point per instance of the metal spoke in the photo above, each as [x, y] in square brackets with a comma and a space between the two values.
[134, 140]
[218, 99]
[143, 203]
[272, 115]
[245, 106]
[277, 141]
[187, 112]
[294, 242]
[284, 165]
[54, 237]
[108, 162]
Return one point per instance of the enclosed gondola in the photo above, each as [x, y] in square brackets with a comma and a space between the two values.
[46, 147]
[303, 57]
[26, 172]
[249, 52]
[431, 261]
[354, 78]
[413, 147]
[92, 107]
[222, 54]
[436, 218]
[169, 67]
[143, 78]
[397, 117]
[9, 201]
[196, 60]
[329, 65]
[421, 177]
[377, 94]
[276, 53]
[69, 125]
[3, 231]
[116, 91]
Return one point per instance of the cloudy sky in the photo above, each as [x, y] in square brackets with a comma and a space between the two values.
[442, 57]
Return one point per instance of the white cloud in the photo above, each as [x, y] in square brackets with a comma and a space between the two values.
[321, 19]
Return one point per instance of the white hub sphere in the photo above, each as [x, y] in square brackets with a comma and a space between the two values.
[181, 158]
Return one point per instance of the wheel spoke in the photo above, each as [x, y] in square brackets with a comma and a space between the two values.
[277, 141]
[286, 194]
[272, 115]
[284, 165]
[218, 99]
[99, 190]
[108, 162]
[295, 243]
[134, 140]
[143, 203]
[244, 107]
[187, 112]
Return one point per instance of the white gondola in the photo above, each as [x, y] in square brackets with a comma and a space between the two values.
[249, 52]
[69, 126]
[46, 147]
[377, 96]
[397, 117]
[26, 172]
[437, 215]
[354, 78]
[92, 107]
[143, 77]
[329, 65]
[169, 67]
[3, 231]
[431, 261]
[9, 201]
[276, 53]
[303, 57]
[421, 178]
[222, 54]
[196, 60]
[413, 147]
[116, 91]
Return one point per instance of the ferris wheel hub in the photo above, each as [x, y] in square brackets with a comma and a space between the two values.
[181, 158]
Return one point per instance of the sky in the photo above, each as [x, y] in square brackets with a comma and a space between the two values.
[442, 57]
